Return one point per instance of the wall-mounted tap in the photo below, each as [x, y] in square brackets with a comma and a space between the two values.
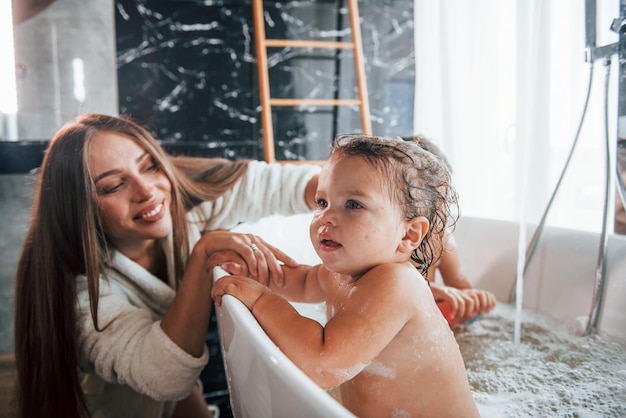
[619, 25]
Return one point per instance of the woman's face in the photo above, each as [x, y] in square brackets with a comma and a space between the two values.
[134, 194]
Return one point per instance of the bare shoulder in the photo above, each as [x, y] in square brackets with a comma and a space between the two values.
[399, 281]
[401, 288]
[394, 275]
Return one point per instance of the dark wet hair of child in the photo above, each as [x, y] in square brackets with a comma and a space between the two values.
[421, 180]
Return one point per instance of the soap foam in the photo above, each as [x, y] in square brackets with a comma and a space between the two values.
[551, 372]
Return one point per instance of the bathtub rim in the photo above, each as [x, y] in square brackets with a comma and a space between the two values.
[488, 249]
[312, 396]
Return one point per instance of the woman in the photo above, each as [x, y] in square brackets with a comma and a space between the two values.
[112, 297]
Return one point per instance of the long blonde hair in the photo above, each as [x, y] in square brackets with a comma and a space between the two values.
[65, 238]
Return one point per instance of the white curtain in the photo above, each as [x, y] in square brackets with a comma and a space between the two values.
[500, 86]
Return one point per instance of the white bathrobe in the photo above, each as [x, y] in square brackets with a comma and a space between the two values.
[132, 368]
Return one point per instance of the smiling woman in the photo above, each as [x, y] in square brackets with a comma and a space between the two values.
[112, 296]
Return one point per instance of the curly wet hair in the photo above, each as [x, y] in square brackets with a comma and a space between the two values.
[419, 182]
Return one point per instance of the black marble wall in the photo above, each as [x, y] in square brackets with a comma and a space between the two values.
[187, 70]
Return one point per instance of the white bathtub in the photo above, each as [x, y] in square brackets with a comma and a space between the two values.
[262, 381]
[559, 282]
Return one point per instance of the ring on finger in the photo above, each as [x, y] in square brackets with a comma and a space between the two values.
[254, 247]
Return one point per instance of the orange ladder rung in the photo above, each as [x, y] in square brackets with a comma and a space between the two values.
[264, 90]
[294, 43]
[315, 102]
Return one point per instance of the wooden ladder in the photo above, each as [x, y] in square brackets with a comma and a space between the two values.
[264, 84]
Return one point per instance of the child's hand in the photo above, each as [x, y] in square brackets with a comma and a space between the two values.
[463, 304]
[248, 291]
[460, 303]
[486, 300]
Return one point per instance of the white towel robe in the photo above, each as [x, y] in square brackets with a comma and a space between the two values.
[132, 368]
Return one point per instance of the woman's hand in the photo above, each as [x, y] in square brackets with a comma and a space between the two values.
[262, 261]
[230, 261]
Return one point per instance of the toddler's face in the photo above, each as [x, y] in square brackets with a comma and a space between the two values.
[356, 225]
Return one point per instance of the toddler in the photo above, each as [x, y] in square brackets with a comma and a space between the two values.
[381, 202]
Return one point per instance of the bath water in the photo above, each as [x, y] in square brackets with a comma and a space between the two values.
[552, 372]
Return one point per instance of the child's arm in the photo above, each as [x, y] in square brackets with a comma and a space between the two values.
[302, 283]
[464, 300]
[371, 314]
[450, 266]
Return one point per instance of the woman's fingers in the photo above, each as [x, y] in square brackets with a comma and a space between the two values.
[227, 258]
[263, 260]
[258, 253]
[283, 257]
[234, 268]
[268, 261]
